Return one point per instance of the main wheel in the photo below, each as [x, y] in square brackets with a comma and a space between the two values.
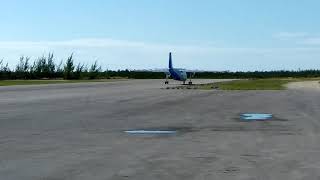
[190, 83]
[167, 82]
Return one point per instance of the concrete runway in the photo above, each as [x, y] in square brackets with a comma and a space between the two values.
[75, 132]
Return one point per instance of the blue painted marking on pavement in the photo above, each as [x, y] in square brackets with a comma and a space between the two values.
[255, 116]
[150, 132]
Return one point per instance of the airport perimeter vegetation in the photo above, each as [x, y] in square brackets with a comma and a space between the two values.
[44, 70]
[254, 84]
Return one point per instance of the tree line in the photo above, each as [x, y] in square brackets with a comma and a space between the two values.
[45, 67]
[312, 73]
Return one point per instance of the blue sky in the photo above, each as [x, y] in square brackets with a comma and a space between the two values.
[205, 34]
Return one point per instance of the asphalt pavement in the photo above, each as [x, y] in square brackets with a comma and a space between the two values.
[77, 132]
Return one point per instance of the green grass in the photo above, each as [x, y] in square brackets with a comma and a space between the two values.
[254, 84]
[37, 82]
[259, 84]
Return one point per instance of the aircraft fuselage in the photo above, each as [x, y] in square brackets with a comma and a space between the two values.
[178, 74]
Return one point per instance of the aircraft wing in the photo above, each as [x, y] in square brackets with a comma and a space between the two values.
[191, 74]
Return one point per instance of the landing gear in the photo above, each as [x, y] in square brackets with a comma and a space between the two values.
[167, 79]
[190, 81]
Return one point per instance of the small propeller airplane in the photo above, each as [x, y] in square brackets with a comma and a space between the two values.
[177, 73]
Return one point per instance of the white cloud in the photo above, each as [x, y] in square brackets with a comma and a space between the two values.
[85, 43]
[299, 38]
[113, 44]
[311, 41]
[120, 54]
[290, 35]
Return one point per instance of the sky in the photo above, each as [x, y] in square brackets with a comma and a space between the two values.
[213, 35]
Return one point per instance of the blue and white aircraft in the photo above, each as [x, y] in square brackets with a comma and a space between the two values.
[177, 74]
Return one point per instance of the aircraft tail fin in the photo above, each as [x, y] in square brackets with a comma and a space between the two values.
[170, 61]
